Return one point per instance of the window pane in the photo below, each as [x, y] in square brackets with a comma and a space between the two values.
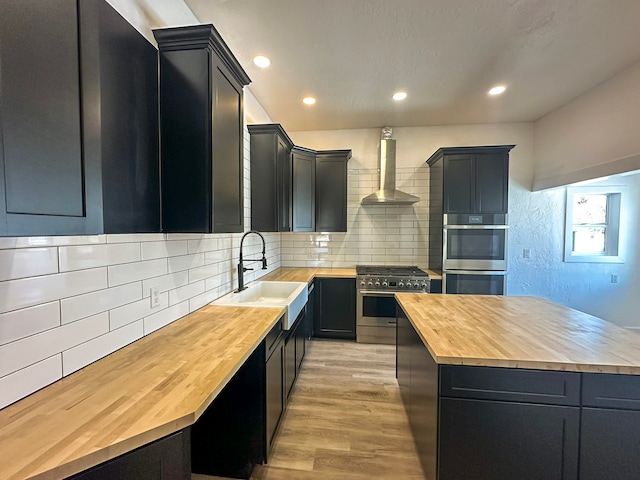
[589, 209]
[588, 240]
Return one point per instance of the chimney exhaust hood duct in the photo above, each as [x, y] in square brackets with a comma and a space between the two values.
[387, 194]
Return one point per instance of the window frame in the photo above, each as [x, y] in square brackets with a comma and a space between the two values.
[613, 226]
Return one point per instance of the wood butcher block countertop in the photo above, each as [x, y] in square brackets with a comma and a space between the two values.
[302, 274]
[158, 385]
[519, 332]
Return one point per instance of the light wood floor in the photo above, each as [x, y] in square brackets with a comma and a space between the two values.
[345, 419]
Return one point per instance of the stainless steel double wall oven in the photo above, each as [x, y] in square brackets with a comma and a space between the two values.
[474, 254]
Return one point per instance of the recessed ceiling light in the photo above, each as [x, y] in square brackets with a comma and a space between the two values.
[400, 95]
[261, 61]
[497, 90]
[309, 100]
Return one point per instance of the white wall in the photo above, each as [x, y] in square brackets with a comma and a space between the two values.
[593, 136]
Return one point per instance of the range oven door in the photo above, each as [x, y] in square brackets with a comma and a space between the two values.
[473, 282]
[376, 317]
[475, 247]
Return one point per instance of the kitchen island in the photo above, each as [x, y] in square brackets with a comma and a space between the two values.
[518, 387]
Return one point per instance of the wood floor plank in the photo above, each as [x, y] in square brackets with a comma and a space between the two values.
[345, 419]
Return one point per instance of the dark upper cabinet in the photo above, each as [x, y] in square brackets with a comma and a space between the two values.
[271, 184]
[331, 190]
[295, 188]
[201, 127]
[304, 189]
[470, 179]
[78, 126]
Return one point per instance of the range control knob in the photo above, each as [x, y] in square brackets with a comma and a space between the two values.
[416, 285]
[424, 286]
[385, 284]
[370, 283]
[363, 283]
[377, 283]
[401, 285]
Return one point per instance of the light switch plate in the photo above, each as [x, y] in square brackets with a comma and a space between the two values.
[155, 297]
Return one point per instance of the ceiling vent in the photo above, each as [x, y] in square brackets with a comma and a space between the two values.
[387, 194]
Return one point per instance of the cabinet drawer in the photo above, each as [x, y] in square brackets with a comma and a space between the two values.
[611, 391]
[508, 384]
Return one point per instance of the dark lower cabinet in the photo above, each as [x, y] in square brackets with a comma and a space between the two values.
[290, 366]
[482, 439]
[228, 439]
[166, 459]
[417, 375]
[79, 122]
[610, 427]
[482, 423]
[275, 396]
[335, 308]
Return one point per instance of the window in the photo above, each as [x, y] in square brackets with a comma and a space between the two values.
[593, 224]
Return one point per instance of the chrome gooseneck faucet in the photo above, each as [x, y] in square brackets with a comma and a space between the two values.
[242, 268]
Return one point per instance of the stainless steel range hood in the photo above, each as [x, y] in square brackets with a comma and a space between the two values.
[387, 194]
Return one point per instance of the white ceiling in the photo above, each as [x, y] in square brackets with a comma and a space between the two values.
[353, 54]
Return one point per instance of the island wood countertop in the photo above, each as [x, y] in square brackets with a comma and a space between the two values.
[519, 332]
[151, 388]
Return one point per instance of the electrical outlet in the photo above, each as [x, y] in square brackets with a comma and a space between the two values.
[155, 297]
[614, 278]
[526, 253]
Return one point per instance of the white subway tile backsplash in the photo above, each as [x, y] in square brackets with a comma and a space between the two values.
[165, 317]
[165, 282]
[121, 316]
[82, 355]
[185, 293]
[185, 262]
[28, 321]
[82, 306]
[136, 237]
[201, 273]
[203, 299]
[27, 242]
[153, 250]
[28, 262]
[132, 272]
[30, 350]
[27, 292]
[23, 382]
[91, 256]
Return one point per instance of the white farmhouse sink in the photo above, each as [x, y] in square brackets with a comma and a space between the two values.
[291, 295]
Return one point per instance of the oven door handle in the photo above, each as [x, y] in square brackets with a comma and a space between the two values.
[378, 294]
[476, 227]
[474, 272]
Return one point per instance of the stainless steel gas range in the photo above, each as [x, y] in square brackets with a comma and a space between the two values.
[376, 307]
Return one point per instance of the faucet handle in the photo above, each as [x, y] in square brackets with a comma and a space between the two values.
[244, 269]
[264, 263]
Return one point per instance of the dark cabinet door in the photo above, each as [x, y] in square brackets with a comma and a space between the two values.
[275, 400]
[311, 306]
[165, 459]
[270, 178]
[459, 184]
[609, 444]
[335, 308]
[289, 363]
[491, 183]
[227, 152]
[78, 128]
[507, 440]
[201, 123]
[304, 190]
[331, 190]
[301, 344]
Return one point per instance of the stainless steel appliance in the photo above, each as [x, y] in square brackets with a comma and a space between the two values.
[376, 307]
[474, 254]
[474, 282]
